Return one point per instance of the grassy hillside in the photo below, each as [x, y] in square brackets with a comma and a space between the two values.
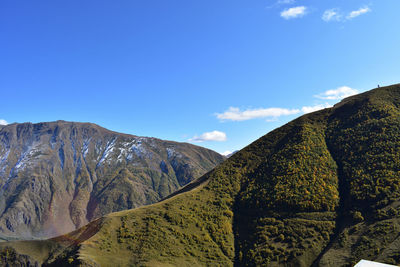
[323, 190]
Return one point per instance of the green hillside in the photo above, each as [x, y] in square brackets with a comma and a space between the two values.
[323, 190]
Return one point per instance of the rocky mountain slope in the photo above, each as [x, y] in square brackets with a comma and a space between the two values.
[56, 177]
[323, 190]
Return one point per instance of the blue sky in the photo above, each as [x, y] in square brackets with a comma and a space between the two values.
[219, 74]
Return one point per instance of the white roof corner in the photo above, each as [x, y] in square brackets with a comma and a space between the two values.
[365, 263]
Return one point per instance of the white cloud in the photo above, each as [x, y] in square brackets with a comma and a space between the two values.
[272, 114]
[294, 12]
[332, 15]
[235, 114]
[339, 93]
[3, 122]
[210, 136]
[226, 153]
[309, 109]
[359, 12]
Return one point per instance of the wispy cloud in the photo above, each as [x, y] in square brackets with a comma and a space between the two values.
[359, 12]
[337, 94]
[3, 122]
[281, 2]
[209, 136]
[335, 14]
[285, 2]
[332, 15]
[309, 109]
[235, 114]
[294, 12]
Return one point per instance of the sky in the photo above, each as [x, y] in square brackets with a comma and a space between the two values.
[218, 74]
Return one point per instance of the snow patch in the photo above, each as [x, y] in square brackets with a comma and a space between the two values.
[108, 150]
[137, 148]
[85, 147]
[172, 153]
[27, 158]
[122, 154]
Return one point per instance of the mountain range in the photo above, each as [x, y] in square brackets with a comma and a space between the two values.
[56, 177]
[322, 190]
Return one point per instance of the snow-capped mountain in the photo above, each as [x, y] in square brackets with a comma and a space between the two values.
[58, 176]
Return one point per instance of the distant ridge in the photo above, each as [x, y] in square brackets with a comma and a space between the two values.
[231, 154]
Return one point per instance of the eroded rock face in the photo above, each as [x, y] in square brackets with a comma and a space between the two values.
[58, 176]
